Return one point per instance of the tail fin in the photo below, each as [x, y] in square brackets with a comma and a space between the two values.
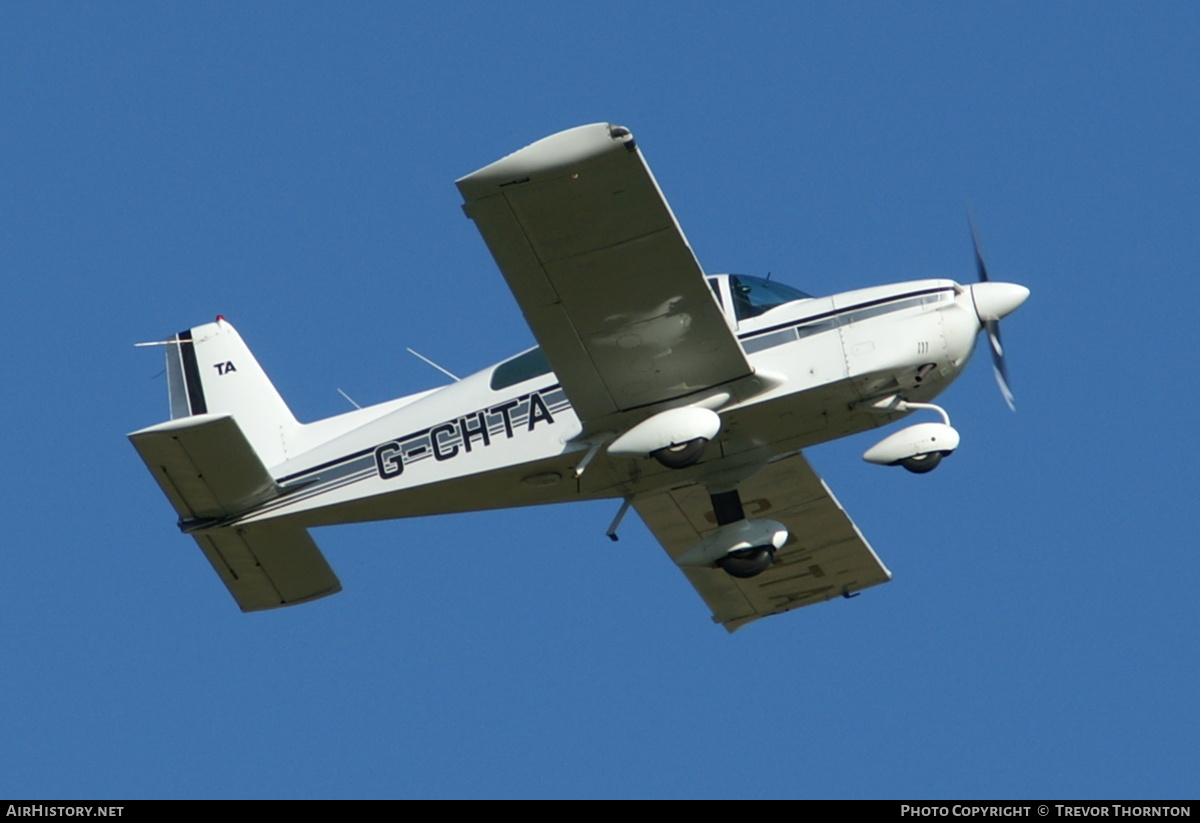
[228, 426]
[210, 370]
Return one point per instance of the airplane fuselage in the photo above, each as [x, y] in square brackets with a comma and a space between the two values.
[508, 436]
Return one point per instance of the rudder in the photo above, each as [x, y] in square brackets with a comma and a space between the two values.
[211, 370]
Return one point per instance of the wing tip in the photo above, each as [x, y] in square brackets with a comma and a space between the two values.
[546, 156]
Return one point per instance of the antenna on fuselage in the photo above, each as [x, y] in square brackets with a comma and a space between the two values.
[446, 372]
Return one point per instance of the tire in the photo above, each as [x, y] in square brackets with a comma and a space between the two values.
[923, 463]
[681, 456]
[747, 562]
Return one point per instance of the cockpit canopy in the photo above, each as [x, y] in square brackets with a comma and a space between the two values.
[753, 296]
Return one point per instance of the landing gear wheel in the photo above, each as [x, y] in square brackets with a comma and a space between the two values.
[923, 463]
[681, 456]
[745, 563]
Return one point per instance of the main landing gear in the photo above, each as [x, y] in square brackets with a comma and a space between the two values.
[923, 463]
[918, 448]
[742, 563]
[681, 456]
[742, 548]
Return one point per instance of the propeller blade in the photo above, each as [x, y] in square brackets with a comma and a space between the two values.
[1002, 382]
[994, 338]
[992, 327]
[998, 366]
[980, 263]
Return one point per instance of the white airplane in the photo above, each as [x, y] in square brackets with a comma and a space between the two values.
[688, 396]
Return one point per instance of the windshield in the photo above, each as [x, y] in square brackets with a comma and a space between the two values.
[754, 295]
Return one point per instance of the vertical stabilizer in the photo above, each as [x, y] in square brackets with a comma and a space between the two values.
[210, 370]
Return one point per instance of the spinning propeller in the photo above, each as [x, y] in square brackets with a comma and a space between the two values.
[992, 302]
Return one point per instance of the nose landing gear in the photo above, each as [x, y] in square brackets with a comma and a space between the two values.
[918, 448]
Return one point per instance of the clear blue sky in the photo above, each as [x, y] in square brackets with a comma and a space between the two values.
[291, 166]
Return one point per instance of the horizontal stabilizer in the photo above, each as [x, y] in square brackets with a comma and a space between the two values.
[205, 465]
[268, 565]
[209, 471]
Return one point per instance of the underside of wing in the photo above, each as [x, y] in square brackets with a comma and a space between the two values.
[825, 556]
[602, 271]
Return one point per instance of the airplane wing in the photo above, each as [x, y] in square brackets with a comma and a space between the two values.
[825, 557]
[602, 271]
